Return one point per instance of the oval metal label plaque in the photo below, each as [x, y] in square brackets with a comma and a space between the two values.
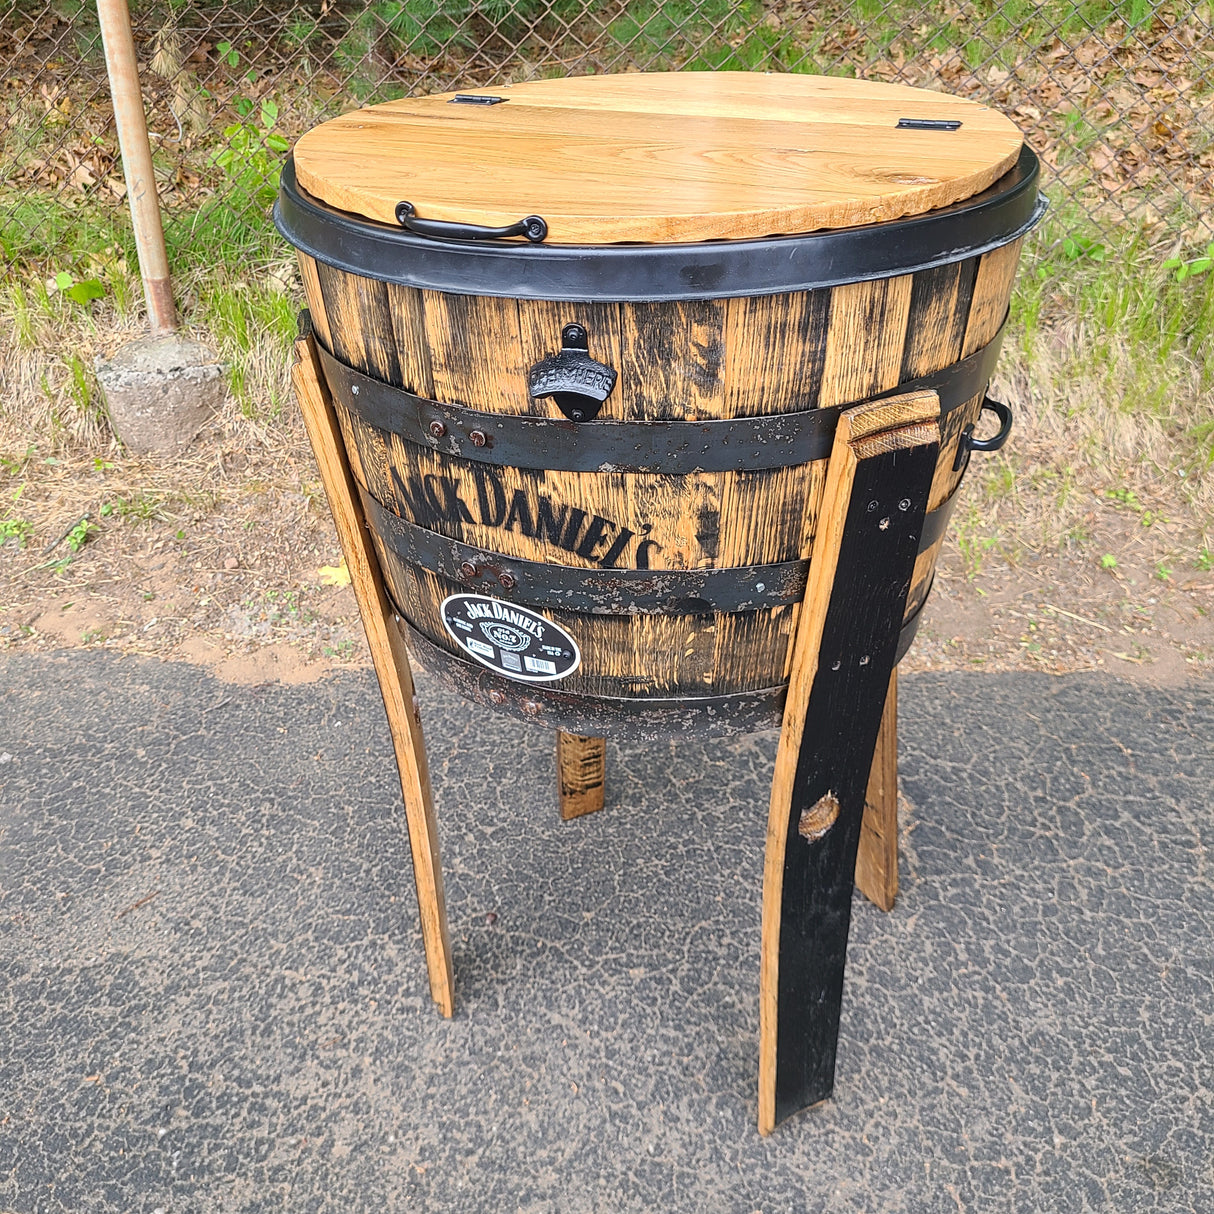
[510, 640]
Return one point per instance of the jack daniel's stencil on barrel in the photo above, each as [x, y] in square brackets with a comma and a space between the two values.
[588, 343]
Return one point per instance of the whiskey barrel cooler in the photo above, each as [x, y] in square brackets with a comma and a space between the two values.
[588, 339]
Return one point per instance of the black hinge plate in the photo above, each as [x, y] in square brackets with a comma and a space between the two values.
[928, 124]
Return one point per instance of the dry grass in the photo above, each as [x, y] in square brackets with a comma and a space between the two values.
[49, 346]
[1109, 365]
[211, 532]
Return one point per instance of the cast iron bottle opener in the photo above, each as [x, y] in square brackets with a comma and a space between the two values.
[578, 383]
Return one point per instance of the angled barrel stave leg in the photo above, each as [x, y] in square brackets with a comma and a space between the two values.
[876, 495]
[391, 665]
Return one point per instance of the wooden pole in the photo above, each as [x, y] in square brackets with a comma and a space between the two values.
[115, 19]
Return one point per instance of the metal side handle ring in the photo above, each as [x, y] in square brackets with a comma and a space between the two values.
[969, 443]
[533, 227]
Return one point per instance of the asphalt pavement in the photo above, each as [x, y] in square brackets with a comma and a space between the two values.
[213, 997]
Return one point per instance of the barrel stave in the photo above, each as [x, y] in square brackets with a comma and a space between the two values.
[690, 359]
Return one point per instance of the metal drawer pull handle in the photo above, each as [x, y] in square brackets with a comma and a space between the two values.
[533, 227]
[969, 443]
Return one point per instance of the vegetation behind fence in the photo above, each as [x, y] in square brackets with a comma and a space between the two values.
[1118, 98]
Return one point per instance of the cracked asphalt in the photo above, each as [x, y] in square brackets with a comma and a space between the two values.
[213, 999]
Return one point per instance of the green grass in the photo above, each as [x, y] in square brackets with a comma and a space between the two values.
[39, 231]
[1144, 334]
[81, 386]
[250, 323]
[975, 540]
[233, 231]
[39, 227]
[142, 507]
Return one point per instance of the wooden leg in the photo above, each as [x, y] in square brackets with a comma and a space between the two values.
[877, 859]
[581, 772]
[391, 665]
[868, 533]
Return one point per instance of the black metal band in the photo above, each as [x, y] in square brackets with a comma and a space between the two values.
[635, 719]
[936, 523]
[736, 444]
[910, 625]
[591, 591]
[594, 591]
[624, 273]
[627, 720]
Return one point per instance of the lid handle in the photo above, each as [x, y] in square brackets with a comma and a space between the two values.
[532, 227]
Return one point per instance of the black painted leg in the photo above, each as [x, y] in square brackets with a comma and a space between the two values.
[826, 751]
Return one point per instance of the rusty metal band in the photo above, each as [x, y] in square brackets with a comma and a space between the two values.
[737, 444]
[633, 719]
[648, 719]
[595, 591]
[590, 591]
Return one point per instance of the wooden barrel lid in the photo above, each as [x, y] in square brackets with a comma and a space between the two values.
[662, 157]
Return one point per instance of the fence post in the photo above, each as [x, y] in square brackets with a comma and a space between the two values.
[115, 20]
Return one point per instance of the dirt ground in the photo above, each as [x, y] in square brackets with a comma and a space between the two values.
[228, 558]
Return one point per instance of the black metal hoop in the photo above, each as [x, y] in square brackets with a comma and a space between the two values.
[655, 272]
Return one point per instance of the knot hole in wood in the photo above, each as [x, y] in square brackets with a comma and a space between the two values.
[818, 818]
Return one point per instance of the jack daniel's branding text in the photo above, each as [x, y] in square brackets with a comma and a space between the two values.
[432, 500]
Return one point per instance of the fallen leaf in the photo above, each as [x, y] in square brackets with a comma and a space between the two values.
[335, 575]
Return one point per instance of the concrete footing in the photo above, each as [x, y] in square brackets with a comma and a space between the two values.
[160, 391]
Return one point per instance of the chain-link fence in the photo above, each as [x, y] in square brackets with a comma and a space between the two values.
[1118, 97]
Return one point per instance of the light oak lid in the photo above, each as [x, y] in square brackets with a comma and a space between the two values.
[661, 157]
